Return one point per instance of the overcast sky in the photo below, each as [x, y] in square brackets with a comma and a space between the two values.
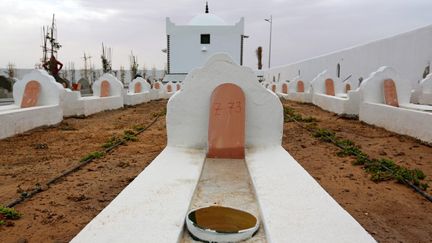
[301, 28]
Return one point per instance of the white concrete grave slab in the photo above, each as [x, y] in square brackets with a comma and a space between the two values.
[293, 207]
[139, 92]
[425, 95]
[107, 95]
[169, 89]
[329, 93]
[299, 90]
[38, 101]
[408, 119]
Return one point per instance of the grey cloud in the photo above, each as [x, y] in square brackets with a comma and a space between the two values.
[302, 29]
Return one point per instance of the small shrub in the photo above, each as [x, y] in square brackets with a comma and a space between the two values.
[9, 213]
[324, 135]
[129, 135]
[111, 141]
[92, 155]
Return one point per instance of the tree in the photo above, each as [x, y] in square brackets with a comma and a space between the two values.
[144, 71]
[122, 74]
[133, 65]
[259, 56]
[11, 70]
[72, 71]
[106, 59]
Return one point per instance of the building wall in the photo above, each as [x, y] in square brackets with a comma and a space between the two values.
[185, 44]
[409, 53]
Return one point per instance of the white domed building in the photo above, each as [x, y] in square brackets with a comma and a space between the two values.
[189, 46]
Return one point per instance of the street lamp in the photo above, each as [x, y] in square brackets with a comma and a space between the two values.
[270, 20]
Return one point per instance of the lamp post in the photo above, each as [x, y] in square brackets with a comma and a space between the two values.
[270, 20]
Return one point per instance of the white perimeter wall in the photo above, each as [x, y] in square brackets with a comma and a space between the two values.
[409, 53]
[185, 44]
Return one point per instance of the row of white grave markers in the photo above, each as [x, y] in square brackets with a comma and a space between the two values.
[223, 113]
[383, 99]
[39, 100]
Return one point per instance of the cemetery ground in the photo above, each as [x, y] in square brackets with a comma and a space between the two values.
[390, 211]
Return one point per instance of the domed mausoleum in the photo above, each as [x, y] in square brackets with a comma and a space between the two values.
[189, 46]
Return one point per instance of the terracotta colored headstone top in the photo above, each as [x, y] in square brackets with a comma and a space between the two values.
[169, 88]
[273, 88]
[285, 88]
[157, 86]
[226, 132]
[300, 86]
[105, 89]
[390, 93]
[31, 94]
[137, 87]
[347, 88]
[178, 86]
[329, 86]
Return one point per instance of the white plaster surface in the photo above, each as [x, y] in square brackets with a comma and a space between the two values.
[48, 111]
[425, 94]
[185, 49]
[133, 98]
[17, 121]
[75, 105]
[226, 182]
[341, 103]
[51, 92]
[409, 53]
[153, 207]
[294, 207]
[300, 97]
[93, 104]
[411, 121]
[189, 111]
[116, 87]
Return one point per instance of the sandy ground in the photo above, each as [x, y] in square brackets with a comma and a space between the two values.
[60, 212]
[389, 211]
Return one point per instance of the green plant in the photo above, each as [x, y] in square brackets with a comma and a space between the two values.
[92, 155]
[112, 141]
[129, 135]
[9, 213]
[138, 128]
[379, 169]
[324, 135]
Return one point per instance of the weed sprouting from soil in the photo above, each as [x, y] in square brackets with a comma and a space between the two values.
[92, 155]
[130, 135]
[291, 115]
[380, 169]
[112, 141]
[9, 213]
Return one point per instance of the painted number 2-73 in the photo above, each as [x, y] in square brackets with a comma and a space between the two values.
[230, 107]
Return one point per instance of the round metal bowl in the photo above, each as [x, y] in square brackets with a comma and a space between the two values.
[221, 224]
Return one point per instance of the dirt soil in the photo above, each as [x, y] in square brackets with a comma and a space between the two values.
[391, 212]
[62, 210]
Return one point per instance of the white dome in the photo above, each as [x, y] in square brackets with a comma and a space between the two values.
[207, 19]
